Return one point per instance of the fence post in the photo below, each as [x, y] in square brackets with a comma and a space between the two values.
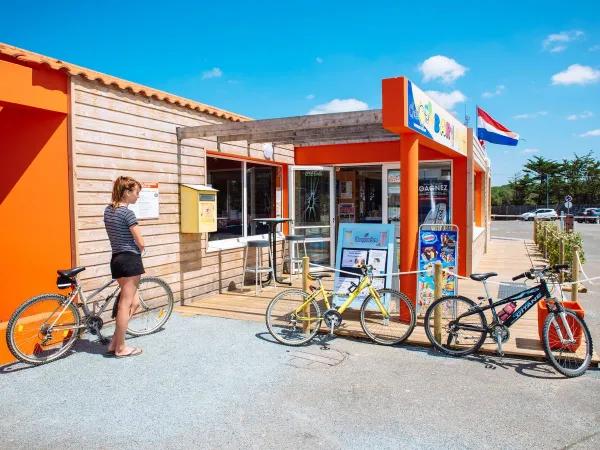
[535, 230]
[305, 269]
[575, 274]
[437, 293]
[561, 259]
[545, 242]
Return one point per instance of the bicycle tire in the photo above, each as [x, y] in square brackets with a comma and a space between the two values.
[159, 305]
[15, 330]
[549, 343]
[371, 315]
[445, 348]
[284, 317]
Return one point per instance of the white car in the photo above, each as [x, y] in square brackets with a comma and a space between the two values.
[541, 214]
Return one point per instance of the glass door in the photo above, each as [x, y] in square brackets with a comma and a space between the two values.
[312, 204]
[391, 195]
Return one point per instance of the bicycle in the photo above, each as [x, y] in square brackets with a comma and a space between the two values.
[566, 338]
[387, 316]
[45, 327]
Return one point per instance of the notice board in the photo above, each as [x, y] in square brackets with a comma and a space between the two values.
[363, 243]
[147, 205]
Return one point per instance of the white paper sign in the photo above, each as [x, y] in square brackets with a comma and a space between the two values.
[147, 205]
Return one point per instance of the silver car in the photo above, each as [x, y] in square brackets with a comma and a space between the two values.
[541, 214]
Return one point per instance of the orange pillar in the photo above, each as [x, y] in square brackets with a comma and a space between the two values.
[409, 204]
[459, 211]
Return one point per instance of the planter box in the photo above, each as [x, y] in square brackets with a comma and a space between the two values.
[576, 330]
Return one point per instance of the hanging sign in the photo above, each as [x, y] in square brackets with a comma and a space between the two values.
[431, 120]
[147, 205]
[436, 243]
[362, 243]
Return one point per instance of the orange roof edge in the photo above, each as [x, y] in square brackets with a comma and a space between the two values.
[28, 57]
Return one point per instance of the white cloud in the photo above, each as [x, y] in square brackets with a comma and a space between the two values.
[337, 105]
[319, 59]
[558, 49]
[498, 91]
[447, 100]
[576, 74]
[530, 115]
[590, 133]
[595, 48]
[443, 68]
[583, 115]
[556, 42]
[214, 72]
[310, 97]
[531, 150]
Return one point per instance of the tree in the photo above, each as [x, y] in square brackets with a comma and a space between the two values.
[542, 168]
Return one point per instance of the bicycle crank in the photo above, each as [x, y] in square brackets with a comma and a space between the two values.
[332, 319]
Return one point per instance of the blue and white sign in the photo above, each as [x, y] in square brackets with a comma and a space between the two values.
[363, 243]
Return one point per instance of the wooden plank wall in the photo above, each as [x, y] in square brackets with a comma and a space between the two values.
[118, 133]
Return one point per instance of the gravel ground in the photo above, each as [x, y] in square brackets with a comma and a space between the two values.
[215, 383]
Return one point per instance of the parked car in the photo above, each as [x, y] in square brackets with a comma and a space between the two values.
[541, 214]
[589, 215]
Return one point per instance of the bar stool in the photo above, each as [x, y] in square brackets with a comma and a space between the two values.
[258, 267]
[294, 263]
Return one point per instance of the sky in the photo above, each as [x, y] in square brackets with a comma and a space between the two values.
[534, 66]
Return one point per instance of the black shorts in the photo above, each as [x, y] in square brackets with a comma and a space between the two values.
[126, 264]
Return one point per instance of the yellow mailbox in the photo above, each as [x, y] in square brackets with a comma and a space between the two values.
[198, 208]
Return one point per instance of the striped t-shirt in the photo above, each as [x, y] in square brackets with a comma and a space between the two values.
[117, 223]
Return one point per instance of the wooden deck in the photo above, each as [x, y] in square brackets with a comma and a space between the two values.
[506, 257]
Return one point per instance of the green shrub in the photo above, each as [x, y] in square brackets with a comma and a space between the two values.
[552, 240]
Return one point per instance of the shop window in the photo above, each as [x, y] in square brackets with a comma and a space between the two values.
[231, 178]
[434, 193]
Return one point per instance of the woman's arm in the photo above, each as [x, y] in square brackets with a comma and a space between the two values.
[137, 236]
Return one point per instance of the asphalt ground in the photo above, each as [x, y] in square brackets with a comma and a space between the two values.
[206, 382]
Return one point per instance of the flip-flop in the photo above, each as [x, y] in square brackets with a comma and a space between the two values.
[135, 352]
[109, 353]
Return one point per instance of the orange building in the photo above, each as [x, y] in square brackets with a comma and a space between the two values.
[67, 132]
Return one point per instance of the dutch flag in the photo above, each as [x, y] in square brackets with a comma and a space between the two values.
[496, 133]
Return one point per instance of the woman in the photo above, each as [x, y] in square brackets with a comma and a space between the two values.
[126, 265]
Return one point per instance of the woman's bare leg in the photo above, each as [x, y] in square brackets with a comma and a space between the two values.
[129, 287]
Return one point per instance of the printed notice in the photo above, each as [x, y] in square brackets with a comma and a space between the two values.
[147, 205]
[377, 259]
[354, 258]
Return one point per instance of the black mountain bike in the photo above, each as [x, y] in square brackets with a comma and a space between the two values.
[464, 327]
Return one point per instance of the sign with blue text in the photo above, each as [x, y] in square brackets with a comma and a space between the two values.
[363, 243]
[436, 243]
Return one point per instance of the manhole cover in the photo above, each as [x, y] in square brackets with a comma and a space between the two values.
[317, 358]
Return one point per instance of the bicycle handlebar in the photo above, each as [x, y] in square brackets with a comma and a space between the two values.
[533, 272]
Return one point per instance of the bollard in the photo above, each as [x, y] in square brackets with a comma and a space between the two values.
[305, 269]
[438, 278]
[575, 274]
[561, 259]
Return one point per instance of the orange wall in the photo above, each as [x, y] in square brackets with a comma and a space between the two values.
[478, 194]
[35, 223]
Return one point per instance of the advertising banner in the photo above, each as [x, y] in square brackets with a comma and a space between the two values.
[431, 120]
[434, 201]
[361, 243]
[436, 243]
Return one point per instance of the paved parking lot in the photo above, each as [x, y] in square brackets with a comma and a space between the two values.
[204, 382]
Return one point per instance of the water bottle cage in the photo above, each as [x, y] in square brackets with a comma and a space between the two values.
[352, 287]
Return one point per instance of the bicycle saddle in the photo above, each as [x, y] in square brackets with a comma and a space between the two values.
[70, 272]
[482, 276]
[318, 276]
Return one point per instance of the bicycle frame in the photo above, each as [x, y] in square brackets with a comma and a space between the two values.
[365, 282]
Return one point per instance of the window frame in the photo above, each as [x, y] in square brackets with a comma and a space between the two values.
[240, 242]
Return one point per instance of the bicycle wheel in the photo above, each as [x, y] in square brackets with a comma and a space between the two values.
[285, 325]
[156, 306]
[569, 358]
[454, 339]
[42, 329]
[392, 329]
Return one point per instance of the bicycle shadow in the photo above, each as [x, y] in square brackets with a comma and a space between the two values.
[320, 340]
[89, 344]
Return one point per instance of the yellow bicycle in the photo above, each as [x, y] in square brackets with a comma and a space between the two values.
[294, 317]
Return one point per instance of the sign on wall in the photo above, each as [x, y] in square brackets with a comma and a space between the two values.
[436, 243]
[434, 201]
[430, 119]
[147, 205]
[362, 243]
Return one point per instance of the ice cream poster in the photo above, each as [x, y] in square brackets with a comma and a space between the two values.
[434, 246]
